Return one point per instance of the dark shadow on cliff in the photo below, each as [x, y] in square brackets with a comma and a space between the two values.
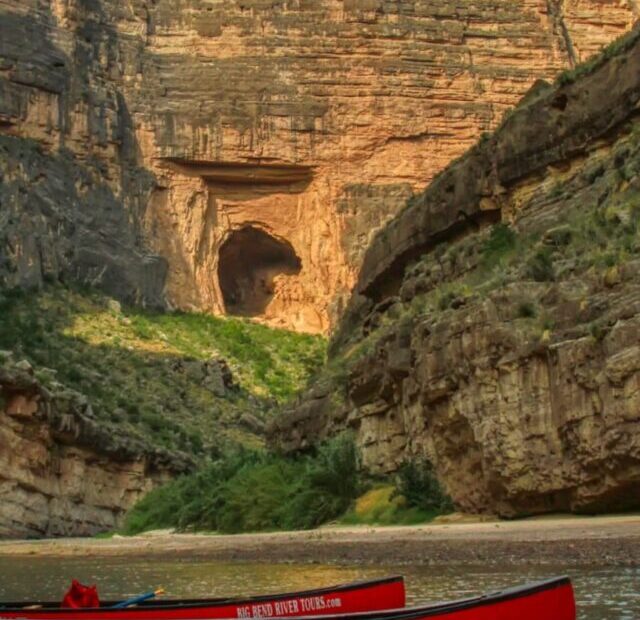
[250, 262]
[67, 217]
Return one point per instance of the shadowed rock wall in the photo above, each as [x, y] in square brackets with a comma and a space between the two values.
[72, 192]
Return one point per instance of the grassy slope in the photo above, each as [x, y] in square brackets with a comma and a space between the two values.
[135, 366]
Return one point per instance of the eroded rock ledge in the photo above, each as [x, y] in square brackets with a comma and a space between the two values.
[61, 472]
[519, 378]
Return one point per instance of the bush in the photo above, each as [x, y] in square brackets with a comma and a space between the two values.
[330, 484]
[190, 502]
[445, 300]
[501, 242]
[540, 266]
[526, 310]
[417, 482]
[256, 497]
[382, 505]
[248, 491]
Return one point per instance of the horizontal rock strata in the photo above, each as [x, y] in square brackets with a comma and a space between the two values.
[136, 138]
[61, 472]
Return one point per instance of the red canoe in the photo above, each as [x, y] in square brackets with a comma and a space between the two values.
[546, 600]
[381, 594]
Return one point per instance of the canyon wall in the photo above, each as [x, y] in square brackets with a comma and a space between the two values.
[238, 157]
[494, 325]
[62, 473]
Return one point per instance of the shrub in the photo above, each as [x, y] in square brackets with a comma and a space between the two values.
[256, 497]
[417, 482]
[526, 310]
[548, 324]
[330, 484]
[191, 501]
[598, 330]
[382, 505]
[445, 300]
[540, 266]
[249, 491]
[501, 242]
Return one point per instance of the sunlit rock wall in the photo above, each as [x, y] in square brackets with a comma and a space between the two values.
[136, 137]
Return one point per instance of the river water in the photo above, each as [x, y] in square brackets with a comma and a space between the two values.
[603, 593]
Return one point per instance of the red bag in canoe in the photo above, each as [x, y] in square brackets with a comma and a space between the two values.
[80, 596]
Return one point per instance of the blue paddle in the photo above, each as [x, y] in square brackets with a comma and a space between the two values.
[138, 599]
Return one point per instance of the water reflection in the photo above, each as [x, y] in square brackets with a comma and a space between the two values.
[602, 593]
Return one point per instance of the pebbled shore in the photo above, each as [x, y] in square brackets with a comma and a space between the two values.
[612, 540]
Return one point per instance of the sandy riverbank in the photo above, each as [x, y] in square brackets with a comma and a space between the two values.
[572, 540]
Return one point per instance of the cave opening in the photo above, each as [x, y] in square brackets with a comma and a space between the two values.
[249, 261]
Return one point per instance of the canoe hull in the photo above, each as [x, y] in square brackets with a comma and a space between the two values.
[382, 594]
[546, 600]
[555, 603]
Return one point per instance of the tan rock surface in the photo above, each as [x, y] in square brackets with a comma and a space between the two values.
[61, 473]
[167, 127]
[208, 155]
[521, 385]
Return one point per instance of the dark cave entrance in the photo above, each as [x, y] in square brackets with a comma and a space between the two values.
[249, 261]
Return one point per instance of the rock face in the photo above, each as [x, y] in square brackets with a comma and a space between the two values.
[236, 156]
[509, 355]
[62, 473]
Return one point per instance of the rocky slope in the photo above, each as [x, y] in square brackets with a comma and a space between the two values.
[494, 326]
[108, 401]
[146, 146]
[62, 472]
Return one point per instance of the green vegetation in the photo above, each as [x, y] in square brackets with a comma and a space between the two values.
[500, 246]
[414, 497]
[417, 482]
[383, 505]
[148, 373]
[527, 310]
[540, 266]
[251, 491]
[247, 491]
[617, 47]
[145, 374]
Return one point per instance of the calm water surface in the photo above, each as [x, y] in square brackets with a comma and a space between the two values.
[602, 593]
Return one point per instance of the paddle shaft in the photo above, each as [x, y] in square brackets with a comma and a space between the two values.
[138, 599]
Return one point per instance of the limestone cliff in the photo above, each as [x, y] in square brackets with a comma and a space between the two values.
[494, 326]
[237, 156]
[63, 473]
